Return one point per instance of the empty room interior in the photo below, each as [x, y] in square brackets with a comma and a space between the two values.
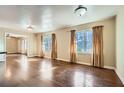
[61, 46]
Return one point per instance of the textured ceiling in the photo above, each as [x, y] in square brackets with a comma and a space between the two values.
[47, 18]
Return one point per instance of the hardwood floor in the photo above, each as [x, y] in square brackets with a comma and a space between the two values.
[20, 71]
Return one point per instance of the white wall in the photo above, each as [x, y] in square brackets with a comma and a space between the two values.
[21, 45]
[31, 40]
[63, 42]
[120, 43]
[39, 45]
[2, 41]
[12, 45]
[32, 45]
[3, 31]
[108, 41]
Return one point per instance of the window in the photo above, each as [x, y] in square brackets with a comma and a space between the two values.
[47, 42]
[84, 41]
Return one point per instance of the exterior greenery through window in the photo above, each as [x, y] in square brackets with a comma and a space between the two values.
[47, 42]
[84, 41]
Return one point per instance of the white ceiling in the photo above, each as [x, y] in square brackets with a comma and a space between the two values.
[50, 17]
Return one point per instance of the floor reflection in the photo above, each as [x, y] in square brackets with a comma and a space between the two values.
[79, 79]
[89, 80]
[8, 73]
[2, 69]
[18, 70]
[24, 64]
[46, 70]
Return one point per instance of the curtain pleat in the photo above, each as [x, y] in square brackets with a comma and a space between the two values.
[98, 46]
[54, 47]
[73, 47]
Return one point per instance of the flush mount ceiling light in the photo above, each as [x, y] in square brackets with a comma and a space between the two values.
[80, 10]
[29, 27]
[7, 35]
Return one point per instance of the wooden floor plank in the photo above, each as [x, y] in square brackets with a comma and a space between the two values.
[20, 71]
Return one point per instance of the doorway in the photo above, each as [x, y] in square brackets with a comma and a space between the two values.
[16, 44]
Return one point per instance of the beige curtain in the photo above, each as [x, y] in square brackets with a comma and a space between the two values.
[54, 47]
[98, 46]
[73, 47]
[40, 45]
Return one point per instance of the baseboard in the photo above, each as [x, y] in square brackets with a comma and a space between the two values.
[17, 53]
[109, 67]
[31, 55]
[13, 53]
[119, 75]
[79, 62]
[89, 64]
[47, 57]
[63, 60]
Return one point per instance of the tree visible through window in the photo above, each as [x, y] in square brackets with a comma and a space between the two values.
[47, 42]
[84, 41]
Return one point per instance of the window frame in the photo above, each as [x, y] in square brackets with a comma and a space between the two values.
[50, 45]
[84, 53]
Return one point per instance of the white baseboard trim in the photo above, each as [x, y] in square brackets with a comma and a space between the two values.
[119, 75]
[31, 55]
[109, 67]
[47, 57]
[84, 63]
[89, 64]
[63, 59]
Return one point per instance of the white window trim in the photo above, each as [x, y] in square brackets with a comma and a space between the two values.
[44, 45]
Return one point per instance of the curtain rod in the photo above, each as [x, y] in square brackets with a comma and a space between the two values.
[80, 29]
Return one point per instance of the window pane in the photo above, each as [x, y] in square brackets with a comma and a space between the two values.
[47, 41]
[80, 43]
[84, 41]
[88, 41]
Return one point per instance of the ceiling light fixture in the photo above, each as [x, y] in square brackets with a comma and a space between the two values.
[80, 10]
[30, 28]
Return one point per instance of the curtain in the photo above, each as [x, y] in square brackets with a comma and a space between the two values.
[40, 45]
[73, 47]
[54, 47]
[98, 46]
